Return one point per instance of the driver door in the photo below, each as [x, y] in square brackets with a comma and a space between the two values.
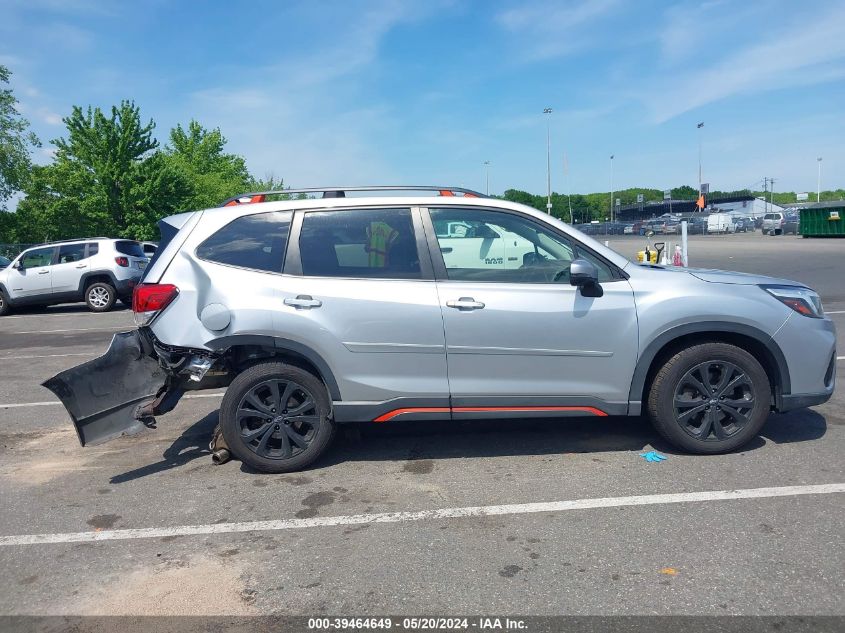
[34, 278]
[517, 333]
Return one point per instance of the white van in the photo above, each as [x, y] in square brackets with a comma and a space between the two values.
[720, 223]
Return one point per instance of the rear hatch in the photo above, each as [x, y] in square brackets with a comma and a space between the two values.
[134, 253]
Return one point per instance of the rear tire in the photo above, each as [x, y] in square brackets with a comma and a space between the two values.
[276, 417]
[710, 398]
[100, 296]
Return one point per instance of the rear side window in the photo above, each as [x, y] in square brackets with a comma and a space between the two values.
[71, 253]
[127, 247]
[93, 249]
[252, 241]
[359, 243]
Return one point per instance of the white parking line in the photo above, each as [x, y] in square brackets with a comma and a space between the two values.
[425, 515]
[834, 311]
[84, 329]
[64, 314]
[54, 403]
[46, 356]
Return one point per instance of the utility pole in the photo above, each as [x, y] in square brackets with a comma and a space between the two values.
[548, 159]
[611, 187]
[765, 191]
[819, 181]
[487, 176]
[772, 193]
[699, 126]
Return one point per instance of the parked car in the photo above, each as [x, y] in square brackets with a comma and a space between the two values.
[792, 223]
[4, 261]
[720, 223]
[149, 248]
[696, 225]
[672, 227]
[98, 271]
[318, 312]
[658, 227]
[773, 223]
[742, 225]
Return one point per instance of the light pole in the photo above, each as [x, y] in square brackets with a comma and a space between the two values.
[487, 176]
[548, 159]
[819, 181]
[699, 126]
[611, 187]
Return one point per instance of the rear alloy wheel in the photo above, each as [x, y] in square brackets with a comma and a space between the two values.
[710, 398]
[100, 297]
[275, 417]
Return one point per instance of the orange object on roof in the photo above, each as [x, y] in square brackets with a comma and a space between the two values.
[245, 200]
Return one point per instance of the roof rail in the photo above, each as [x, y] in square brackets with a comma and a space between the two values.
[340, 192]
[78, 239]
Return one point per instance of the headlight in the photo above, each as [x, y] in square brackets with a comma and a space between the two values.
[802, 300]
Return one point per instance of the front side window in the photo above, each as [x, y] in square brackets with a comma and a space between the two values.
[359, 243]
[492, 246]
[37, 258]
[71, 253]
[253, 241]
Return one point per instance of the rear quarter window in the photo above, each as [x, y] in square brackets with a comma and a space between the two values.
[130, 248]
[255, 241]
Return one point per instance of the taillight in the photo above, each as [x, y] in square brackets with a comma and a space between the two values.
[150, 299]
[122, 261]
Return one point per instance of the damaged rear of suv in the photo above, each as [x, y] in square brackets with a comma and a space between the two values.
[320, 311]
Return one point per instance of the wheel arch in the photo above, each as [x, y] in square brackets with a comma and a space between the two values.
[290, 351]
[93, 276]
[754, 341]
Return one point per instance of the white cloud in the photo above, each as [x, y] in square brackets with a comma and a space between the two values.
[552, 31]
[779, 59]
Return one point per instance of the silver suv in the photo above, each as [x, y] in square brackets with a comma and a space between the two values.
[96, 270]
[318, 312]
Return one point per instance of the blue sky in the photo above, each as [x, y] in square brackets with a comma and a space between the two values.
[404, 92]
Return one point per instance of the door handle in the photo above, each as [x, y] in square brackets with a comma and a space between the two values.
[465, 303]
[43, 272]
[83, 266]
[446, 249]
[305, 302]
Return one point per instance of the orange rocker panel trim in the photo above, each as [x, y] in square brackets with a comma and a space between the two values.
[397, 412]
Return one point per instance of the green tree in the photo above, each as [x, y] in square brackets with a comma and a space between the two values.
[213, 175]
[107, 179]
[16, 143]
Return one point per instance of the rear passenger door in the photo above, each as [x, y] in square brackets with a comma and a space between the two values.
[359, 290]
[72, 263]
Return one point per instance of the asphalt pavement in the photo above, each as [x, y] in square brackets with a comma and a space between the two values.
[513, 517]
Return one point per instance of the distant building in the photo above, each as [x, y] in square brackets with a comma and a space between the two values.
[752, 208]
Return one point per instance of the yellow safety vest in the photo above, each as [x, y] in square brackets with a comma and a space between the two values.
[381, 237]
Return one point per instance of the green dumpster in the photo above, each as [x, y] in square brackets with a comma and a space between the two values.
[825, 219]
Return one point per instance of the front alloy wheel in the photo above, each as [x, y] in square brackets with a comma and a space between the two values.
[714, 400]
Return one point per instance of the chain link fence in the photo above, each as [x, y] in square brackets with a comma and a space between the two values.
[12, 250]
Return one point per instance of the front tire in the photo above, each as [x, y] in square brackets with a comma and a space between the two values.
[276, 417]
[100, 296]
[710, 398]
[5, 308]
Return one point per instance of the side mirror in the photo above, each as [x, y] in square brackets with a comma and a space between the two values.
[18, 264]
[585, 275]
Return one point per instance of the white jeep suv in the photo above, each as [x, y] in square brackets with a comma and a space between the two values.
[97, 271]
